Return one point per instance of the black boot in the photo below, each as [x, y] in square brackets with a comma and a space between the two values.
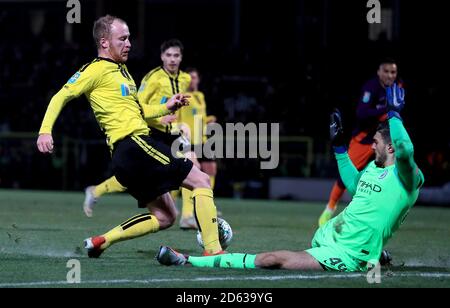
[385, 258]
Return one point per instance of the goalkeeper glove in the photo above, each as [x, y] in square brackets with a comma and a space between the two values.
[395, 97]
[337, 132]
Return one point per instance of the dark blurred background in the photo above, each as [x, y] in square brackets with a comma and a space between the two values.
[287, 62]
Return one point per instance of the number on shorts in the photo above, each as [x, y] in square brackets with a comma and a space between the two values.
[335, 261]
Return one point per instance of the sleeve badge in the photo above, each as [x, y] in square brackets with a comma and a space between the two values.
[366, 97]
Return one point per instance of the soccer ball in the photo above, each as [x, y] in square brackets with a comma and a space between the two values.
[225, 234]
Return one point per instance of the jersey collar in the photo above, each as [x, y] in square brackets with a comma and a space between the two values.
[109, 60]
[169, 74]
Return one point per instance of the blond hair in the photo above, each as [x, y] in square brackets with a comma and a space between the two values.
[102, 28]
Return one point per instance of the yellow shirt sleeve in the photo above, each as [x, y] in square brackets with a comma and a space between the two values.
[146, 92]
[57, 103]
[154, 111]
[81, 82]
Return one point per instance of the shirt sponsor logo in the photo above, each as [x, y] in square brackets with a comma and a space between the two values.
[367, 187]
[74, 78]
[132, 88]
[366, 97]
[125, 90]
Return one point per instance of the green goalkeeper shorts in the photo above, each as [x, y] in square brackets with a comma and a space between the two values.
[331, 256]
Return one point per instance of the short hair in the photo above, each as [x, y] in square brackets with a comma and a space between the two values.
[385, 131]
[191, 69]
[171, 43]
[386, 61]
[102, 27]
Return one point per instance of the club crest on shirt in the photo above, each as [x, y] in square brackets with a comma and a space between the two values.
[164, 100]
[383, 175]
[366, 97]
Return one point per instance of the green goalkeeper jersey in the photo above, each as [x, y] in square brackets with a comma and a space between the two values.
[381, 200]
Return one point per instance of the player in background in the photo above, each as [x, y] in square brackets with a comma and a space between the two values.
[194, 119]
[142, 164]
[383, 193]
[371, 110]
[156, 88]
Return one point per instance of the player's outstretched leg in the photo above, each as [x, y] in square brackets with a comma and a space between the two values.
[168, 256]
[283, 259]
[162, 215]
[90, 200]
[92, 193]
[210, 168]
[205, 211]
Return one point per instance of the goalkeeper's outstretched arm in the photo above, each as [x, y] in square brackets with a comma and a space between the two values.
[408, 172]
[347, 170]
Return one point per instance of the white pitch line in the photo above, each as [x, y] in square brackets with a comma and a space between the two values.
[205, 279]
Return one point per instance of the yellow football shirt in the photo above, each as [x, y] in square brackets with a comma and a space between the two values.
[111, 92]
[194, 116]
[157, 87]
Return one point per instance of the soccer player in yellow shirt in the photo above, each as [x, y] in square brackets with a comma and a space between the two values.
[142, 164]
[163, 82]
[194, 120]
[156, 88]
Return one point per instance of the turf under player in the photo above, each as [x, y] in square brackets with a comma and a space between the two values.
[383, 193]
[371, 111]
[142, 164]
[156, 88]
[194, 119]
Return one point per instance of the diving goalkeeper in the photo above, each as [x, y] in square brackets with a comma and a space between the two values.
[382, 194]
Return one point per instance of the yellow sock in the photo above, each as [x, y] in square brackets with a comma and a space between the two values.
[136, 226]
[187, 209]
[206, 215]
[111, 185]
[212, 180]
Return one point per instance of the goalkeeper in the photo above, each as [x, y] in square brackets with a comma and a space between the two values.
[382, 193]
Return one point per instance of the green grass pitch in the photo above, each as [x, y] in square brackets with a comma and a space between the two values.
[41, 231]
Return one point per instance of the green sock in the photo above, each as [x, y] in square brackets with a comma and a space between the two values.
[229, 260]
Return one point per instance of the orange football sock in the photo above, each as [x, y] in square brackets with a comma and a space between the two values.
[335, 196]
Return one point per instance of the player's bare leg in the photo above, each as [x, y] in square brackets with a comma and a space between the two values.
[210, 168]
[289, 260]
[164, 210]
